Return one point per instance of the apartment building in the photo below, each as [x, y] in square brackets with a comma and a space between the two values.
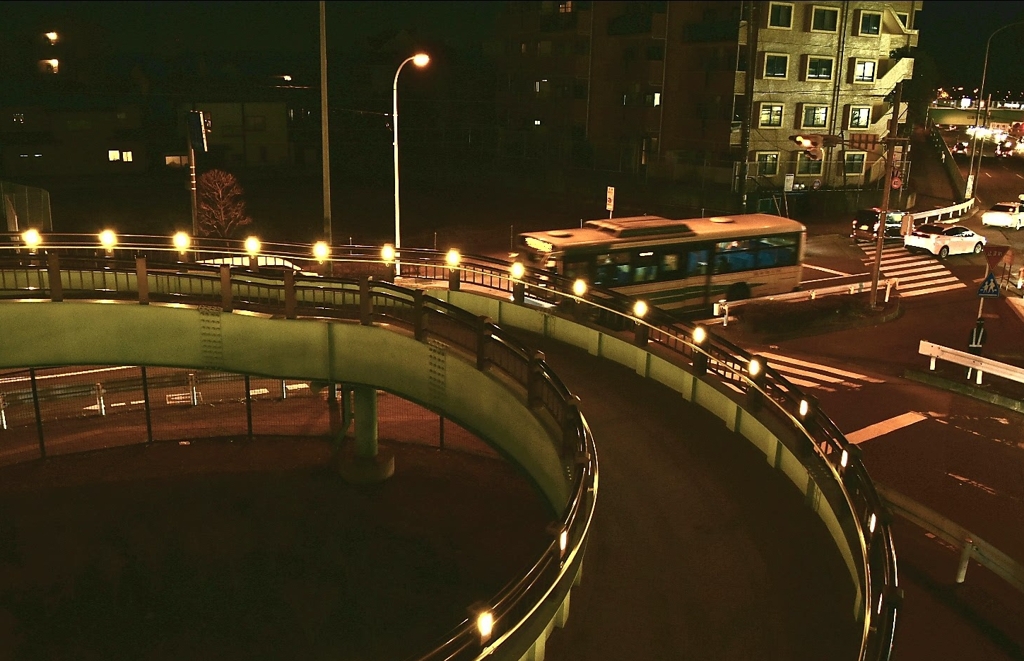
[706, 90]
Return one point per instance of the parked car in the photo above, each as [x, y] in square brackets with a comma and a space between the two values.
[944, 240]
[1005, 214]
[865, 224]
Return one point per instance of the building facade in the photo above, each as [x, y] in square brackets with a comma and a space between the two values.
[706, 90]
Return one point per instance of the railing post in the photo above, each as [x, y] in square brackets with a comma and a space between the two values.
[365, 301]
[965, 558]
[640, 334]
[535, 380]
[53, 271]
[483, 338]
[454, 279]
[419, 316]
[101, 404]
[225, 288]
[142, 280]
[518, 292]
[570, 431]
[193, 388]
[289, 294]
[39, 415]
[3, 411]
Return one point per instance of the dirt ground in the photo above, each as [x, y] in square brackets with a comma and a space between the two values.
[253, 549]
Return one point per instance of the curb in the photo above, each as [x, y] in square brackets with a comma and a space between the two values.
[965, 389]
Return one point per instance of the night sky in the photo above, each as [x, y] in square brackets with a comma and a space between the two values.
[953, 33]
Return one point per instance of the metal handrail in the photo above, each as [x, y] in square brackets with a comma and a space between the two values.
[829, 449]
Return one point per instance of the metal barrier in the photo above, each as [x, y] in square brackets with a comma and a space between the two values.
[831, 462]
[945, 214]
[976, 363]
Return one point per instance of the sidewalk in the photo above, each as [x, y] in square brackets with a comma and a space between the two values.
[928, 177]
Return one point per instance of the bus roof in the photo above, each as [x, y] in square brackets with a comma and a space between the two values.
[638, 230]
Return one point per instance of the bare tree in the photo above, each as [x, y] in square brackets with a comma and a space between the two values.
[221, 207]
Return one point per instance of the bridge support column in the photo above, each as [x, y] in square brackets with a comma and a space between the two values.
[362, 461]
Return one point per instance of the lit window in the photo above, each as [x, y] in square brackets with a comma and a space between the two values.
[815, 116]
[824, 19]
[176, 161]
[49, 66]
[870, 23]
[657, 98]
[19, 118]
[864, 71]
[536, 122]
[37, 155]
[565, 7]
[23, 155]
[126, 156]
[286, 78]
[771, 114]
[860, 117]
[767, 163]
[775, 65]
[854, 162]
[806, 165]
[780, 15]
[113, 155]
[52, 37]
[819, 68]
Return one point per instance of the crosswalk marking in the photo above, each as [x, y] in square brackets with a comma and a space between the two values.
[918, 274]
[831, 370]
[884, 427]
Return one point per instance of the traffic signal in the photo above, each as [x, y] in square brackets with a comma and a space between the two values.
[810, 143]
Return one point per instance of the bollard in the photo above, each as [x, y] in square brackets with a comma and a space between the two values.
[193, 388]
[725, 314]
[888, 289]
[3, 411]
[978, 379]
[101, 405]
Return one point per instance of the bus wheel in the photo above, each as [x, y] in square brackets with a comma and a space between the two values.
[737, 291]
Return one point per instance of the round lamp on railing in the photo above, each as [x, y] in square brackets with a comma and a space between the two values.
[252, 246]
[517, 271]
[321, 251]
[756, 371]
[579, 288]
[700, 359]
[640, 329]
[387, 253]
[453, 259]
[640, 309]
[32, 239]
[181, 241]
[108, 239]
[485, 625]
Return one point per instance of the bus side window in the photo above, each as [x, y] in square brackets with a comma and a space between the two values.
[697, 262]
[612, 269]
[645, 267]
[577, 269]
[670, 267]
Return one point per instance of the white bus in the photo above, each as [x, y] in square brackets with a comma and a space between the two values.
[680, 265]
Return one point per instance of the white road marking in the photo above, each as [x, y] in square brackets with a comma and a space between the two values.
[974, 483]
[931, 270]
[297, 386]
[931, 290]
[258, 391]
[1018, 175]
[884, 427]
[19, 379]
[822, 268]
[947, 279]
[831, 370]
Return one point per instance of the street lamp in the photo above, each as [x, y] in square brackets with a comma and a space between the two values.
[971, 175]
[420, 60]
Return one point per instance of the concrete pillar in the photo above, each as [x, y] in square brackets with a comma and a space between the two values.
[363, 461]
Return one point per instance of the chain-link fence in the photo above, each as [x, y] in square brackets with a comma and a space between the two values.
[22, 207]
[49, 412]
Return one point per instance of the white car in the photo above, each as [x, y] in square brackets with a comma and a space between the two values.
[944, 240]
[1005, 214]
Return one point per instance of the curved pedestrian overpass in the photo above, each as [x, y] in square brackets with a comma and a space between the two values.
[162, 308]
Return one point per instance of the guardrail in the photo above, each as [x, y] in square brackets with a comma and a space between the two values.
[976, 363]
[75, 267]
[970, 545]
[945, 214]
[722, 307]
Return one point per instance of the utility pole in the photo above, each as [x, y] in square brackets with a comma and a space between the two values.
[890, 163]
[324, 136]
[192, 183]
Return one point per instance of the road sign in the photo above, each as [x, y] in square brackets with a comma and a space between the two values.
[897, 182]
[969, 191]
[787, 184]
[994, 254]
[989, 288]
[817, 184]
[610, 203]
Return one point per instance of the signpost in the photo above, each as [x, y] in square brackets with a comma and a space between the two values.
[610, 203]
[990, 286]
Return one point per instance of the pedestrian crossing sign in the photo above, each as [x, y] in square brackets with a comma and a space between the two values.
[989, 288]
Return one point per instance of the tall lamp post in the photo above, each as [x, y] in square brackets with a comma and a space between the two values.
[971, 175]
[420, 60]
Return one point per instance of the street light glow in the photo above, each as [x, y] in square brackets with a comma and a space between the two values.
[421, 60]
[32, 238]
[182, 241]
[517, 270]
[387, 253]
[252, 246]
[108, 239]
[639, 309]
[754, 367]
[579, 287]
[453, 258]
[699, 335]
[485, 625]
[321, 251]
[52, 37]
